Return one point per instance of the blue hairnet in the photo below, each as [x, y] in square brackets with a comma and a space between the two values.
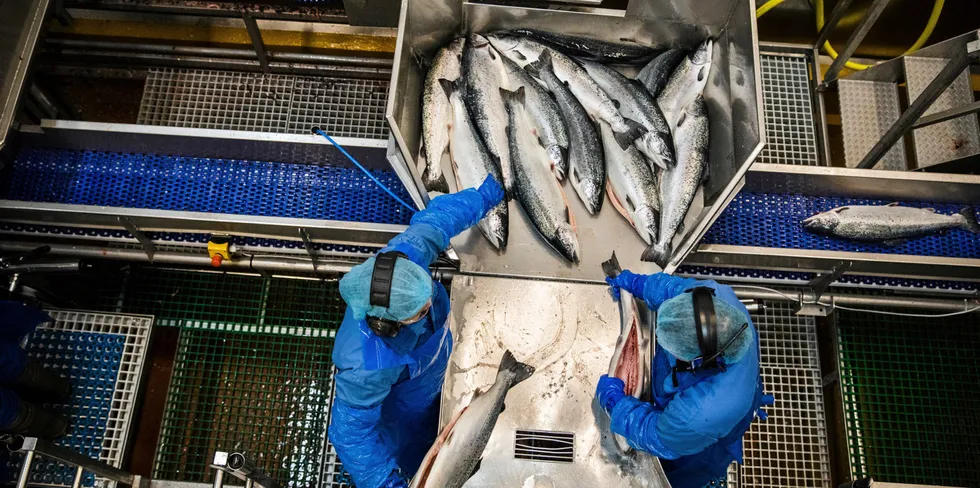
[411, 288]
[676, 333]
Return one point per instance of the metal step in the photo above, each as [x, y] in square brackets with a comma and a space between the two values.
[867, 110]
[945, 141]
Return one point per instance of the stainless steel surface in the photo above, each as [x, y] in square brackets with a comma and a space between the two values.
[948, 140]
[682, 12]
[790, 448]
[202, 143]
[149, 220]
[380, 13]
[567, 331]
[20, 25]
[926, 267]
[867, 110]
[256, 37]
[209, 99]
[284, 264]
[48, 449]
[788, 109]
[864, 26]
[733, 94]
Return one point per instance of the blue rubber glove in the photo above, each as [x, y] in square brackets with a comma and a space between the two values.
[395, 480]
[491, 191]
[629, 281]
[609, 392]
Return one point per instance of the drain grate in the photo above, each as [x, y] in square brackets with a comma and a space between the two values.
[910, 397]
[210, 99]
[788, 110]
[544, 445]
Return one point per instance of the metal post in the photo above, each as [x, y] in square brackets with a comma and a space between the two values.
[253, 33]
[945, 115]
[854, 41]
[839, 10]
[76, 482]
[219, 478]
[925, 100]
[46, 448]
[25, 470]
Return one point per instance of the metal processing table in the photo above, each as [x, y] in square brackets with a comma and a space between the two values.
[567, 331]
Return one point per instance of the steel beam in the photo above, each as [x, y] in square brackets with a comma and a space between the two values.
[854, 41]
[945, 115]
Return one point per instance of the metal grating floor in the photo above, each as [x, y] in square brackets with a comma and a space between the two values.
[102, 355]
[900, 426]
[252, 371]
[209, 99]
[790, 448]
[788, 110]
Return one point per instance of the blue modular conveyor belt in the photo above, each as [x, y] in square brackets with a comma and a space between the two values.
[203, 185]
[773, 220]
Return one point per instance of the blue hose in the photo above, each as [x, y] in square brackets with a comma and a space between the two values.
[316, 130]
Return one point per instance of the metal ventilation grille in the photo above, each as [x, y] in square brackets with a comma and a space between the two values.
[788, 110]
[790, 448]
[209, 99]
[543, 445]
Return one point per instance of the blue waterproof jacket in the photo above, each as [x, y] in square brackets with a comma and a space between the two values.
[695, 427]
[385, 412]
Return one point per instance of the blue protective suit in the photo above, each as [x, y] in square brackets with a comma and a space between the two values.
[385, 412]
[696, 427]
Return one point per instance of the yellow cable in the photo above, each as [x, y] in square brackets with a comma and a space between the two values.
[766, 7]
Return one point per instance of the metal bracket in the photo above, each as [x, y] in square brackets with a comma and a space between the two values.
[308, 244]
[838, 13]
[32, 446]
[148, 247]
[853, 42]
[809, 306]
[255, 35]
[241, 467]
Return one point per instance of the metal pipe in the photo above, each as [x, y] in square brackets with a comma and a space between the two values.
[219, 478]
[221, 52]
[261, 263]
[947, 115]
[54, 267]
[935, 304]
[25, 470]
[76, 482]
[47, 449]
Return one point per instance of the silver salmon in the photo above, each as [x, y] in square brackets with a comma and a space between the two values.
[483, 77]
[655, 74]
[455, 455]
[585, 158]
[435, 112]
[539, 193]
[625, 52]
[679, 185]
[686, 82]
[889, 224]
[631, 186]
[472, 164]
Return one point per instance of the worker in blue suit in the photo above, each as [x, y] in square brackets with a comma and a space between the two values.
[705, 379]
[393, 347]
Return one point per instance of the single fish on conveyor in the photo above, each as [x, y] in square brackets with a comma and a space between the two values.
[537, 190]
[631, 186]
[632, 358]
[625, 52]
[472, 163]
[636, 104]
[586, 162]
[525, 51]
[458, 450]
[686, 82]
[545, 116]
[656, 73]
[483, 77]
[679, 185]
[435, 112]
[889, 224]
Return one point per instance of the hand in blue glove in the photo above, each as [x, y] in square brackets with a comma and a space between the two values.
[395, 480]
[629, 281]
[491, 191]
[609, 392]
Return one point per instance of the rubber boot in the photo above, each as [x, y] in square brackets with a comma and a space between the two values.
[39, 384]
[35, 421]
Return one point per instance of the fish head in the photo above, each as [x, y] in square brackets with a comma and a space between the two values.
[566, 242]
[824, 222]
[495, 227]
[557, 156]
[592, 190]
[702, 55]
[658, 146]
[503, 42]
[476, 41]
[645, 220]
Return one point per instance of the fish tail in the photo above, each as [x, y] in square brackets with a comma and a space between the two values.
[521, 371]
[516, 97]
[449, 86]
[611, 267]
[657, 253]
[435, 183]
[543, 64]
[970, 216]
[624, 139]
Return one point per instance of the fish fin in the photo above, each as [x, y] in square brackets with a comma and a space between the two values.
[840, 209]
[617, 204]
[705, 174]
[449, 86]
[542, 64]
[930, 209]
[657, 254]
[611, 267]
[894, 242]
[626, 138]
[516, 96]
[423, 160]
[438, 184]
[893, 204]
[521, 370]
[479, 463]
[970, 214]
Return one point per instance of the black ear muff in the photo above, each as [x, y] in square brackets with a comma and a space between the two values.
[705, 321]
[380, 293]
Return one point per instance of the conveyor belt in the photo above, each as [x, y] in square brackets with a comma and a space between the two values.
[773, 220]
[203, 185]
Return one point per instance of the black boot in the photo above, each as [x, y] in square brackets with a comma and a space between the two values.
[39, 384]
[35, 421]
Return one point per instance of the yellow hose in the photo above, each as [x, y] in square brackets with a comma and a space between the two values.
[937, 9]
